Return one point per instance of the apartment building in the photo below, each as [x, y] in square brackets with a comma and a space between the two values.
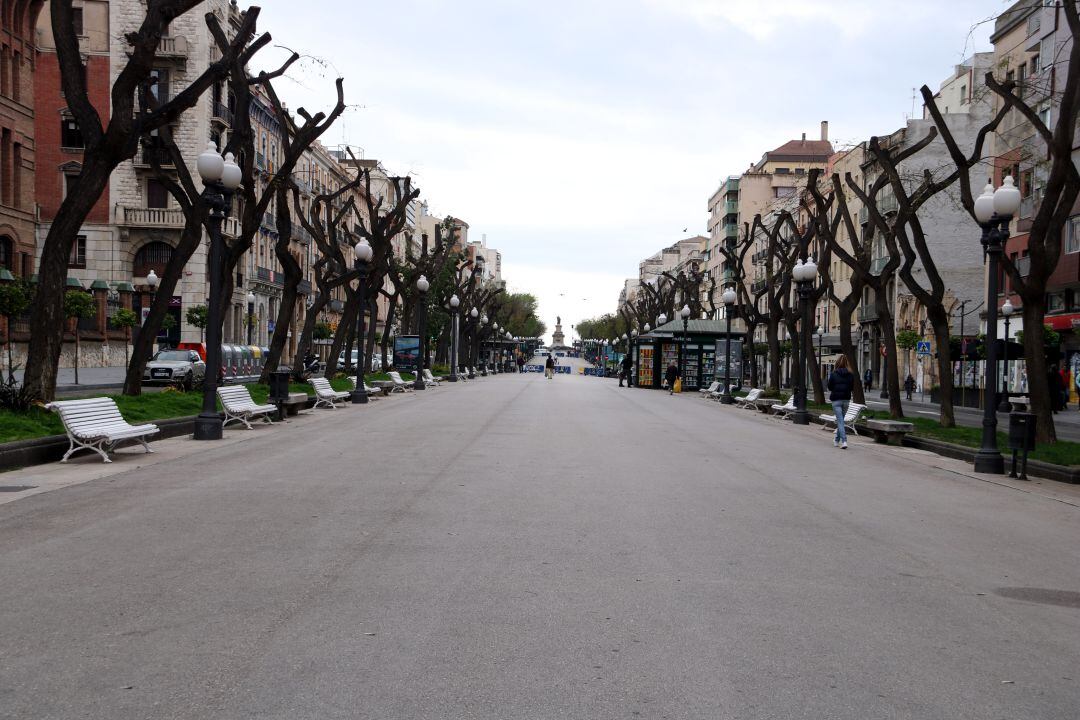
[724, 229]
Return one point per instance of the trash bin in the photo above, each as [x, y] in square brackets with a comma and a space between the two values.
[279, 386]
[1022, 431]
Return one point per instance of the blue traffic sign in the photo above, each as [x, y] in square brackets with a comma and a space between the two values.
[923, 348]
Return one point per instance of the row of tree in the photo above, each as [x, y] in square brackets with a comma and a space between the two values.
[335, 219]
[890, 243]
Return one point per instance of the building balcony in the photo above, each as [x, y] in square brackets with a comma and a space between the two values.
[878, 264]
[231, 227]
[173, 47]
[759, 257]
[731, 230]
[220, 113]
[758, 286]
[867, 313]
[731, 207]
[304, 288]
[150, 217]
[268, 277]
[149, 154]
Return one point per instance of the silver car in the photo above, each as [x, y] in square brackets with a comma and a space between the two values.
[175, 367]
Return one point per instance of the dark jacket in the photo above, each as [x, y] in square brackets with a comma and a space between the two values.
[840, 384]
[626, 363]
[550, 362]
[671, 374]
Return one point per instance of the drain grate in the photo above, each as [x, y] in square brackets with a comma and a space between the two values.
[16, 488]
[1044, 596]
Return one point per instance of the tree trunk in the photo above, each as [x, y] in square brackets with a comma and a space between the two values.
[170, 278]
[281, 327]
[773, 338]
[1035, 359]
[847, 347]
[386, 333]
[815, 377]
[888, 337]
[348, 319]
[369, 332]
[47, 312]
[939, 321]
[305, 344]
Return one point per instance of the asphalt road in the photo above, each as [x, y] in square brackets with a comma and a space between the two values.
[515, 547]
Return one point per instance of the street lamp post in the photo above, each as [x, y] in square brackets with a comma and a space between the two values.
[221, 177]
[474, 314]
[729, 298]
[685, 313]
[152, 281]
[363, 253]
[483, 361]
[820, 337]
[803, 274]
[422, 286]
[994, 210]
[251, 314]
[455, 303]
[1006, 311]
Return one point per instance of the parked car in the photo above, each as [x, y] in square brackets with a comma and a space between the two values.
[175, 367]
[376, 363]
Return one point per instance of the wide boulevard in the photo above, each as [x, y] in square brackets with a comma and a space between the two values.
[516, 547]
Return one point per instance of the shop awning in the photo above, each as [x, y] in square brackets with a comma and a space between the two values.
[1063, 322]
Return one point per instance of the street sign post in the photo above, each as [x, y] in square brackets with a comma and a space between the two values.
[923, 348]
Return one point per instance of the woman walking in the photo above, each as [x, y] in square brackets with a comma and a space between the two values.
[671, 376]
[840, 383]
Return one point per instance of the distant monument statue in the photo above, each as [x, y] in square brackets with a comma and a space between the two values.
[558, 340]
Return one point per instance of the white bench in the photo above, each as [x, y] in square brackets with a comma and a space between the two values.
[854, 412]
[705, 392]
[782, 411]
[96, 424]
[367, 388]
[399, 384]
[327, 395]
[748, 400]
[431, 379]
[239, 406]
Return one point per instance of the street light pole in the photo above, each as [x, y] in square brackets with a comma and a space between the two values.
[152, 281]
[803, 274]
[1006, 311]
[221, 177]
[455, 302]
[422, 286]
[729, 298]
[994, 210]
[363, 253]
[820, 336]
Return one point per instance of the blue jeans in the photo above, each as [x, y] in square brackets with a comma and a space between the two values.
[839, 408]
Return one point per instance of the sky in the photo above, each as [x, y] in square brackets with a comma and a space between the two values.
[581, 137]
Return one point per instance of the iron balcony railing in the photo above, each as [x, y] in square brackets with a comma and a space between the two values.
[867, 313]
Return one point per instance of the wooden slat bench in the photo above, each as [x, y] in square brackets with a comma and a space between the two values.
[239, 406]
[326, 395]
[96, 424]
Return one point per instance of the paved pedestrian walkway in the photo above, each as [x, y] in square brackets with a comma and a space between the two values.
[513, 547]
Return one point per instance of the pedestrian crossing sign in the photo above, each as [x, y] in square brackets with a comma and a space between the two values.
[923, 348]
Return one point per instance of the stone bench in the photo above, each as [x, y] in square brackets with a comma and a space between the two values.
[890, 432]
[764, 405]
[1019, 404]
[384, 385]
[295, 403]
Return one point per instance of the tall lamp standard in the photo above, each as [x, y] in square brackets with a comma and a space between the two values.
[484, 361]
[994, 210]
[820, 336]
[1006, 311]
[685, 314]
[455, 303]
[221, 177]
[729, 298]
[803, 274]
[363, 253]
[250, 315]
[474, 314]
[152, 281]
[422, 286]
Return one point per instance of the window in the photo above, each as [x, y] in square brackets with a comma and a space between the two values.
[70, 134]
[963, 95]
[152, 256]
[782, 171]
[77, 20]
[1034, 23]
[1044, 114]
[783, 192]
[78, 253]
[159, 85]
[156, 194]
[69, 182]
[7, 253]
[1072, 235]
[800, 171]
[1034, 65]
[1055, 302]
